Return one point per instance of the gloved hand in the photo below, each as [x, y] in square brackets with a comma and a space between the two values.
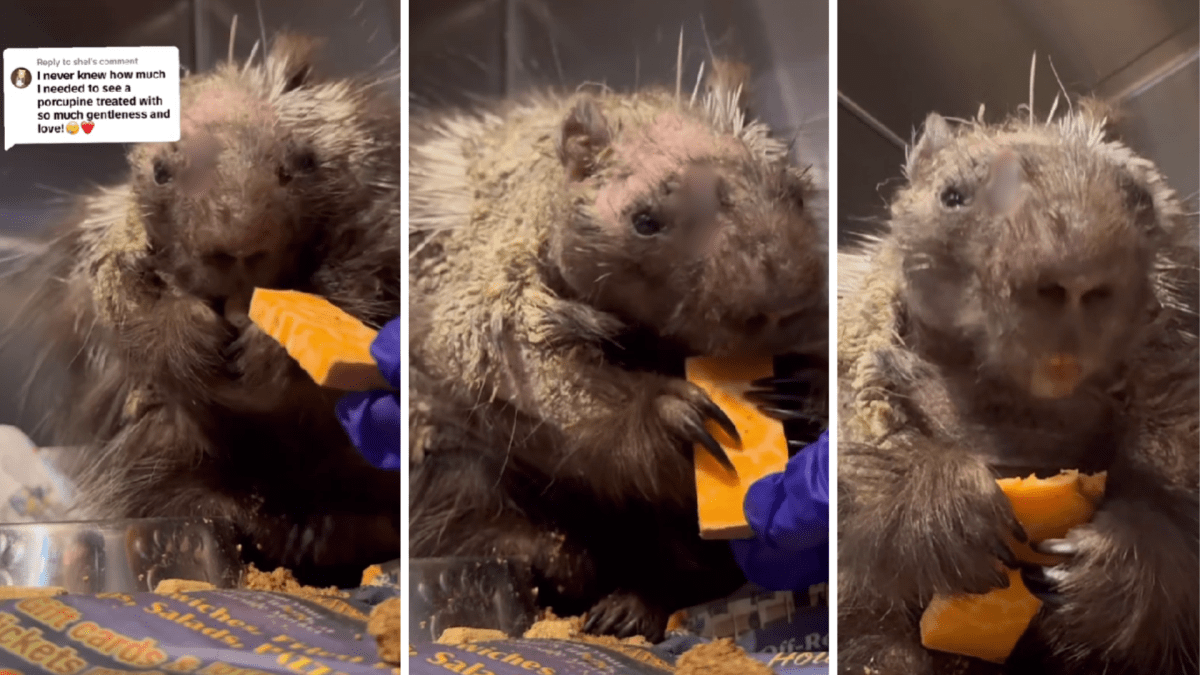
[372, 418]
[789, 513]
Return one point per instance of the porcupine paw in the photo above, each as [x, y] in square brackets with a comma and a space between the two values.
[683, 407]
[938, 525]
[328, 541]
[1151, 626]
[625, 614]
[785, 398]
[563, 573]
[255, 360]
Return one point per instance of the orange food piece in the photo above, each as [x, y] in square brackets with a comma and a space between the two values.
[329, 344]
[984, 626]
[763, 449]
[988, 626]
[677, 621]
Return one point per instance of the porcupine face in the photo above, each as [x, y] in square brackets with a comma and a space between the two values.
[690, 229]
[267, 168]
[1036, 247]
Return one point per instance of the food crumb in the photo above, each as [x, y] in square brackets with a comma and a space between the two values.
[283, 581]
[169, 586]
[384, 626]
[21, 592]
[550, 627]
[462, 636]
[719, 657]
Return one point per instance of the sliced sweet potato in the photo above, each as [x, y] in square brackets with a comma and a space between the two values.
[332, 346]
[763, 449]
[988, 626]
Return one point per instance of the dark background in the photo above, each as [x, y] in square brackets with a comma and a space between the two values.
[900, 59]
[37, 180]
[462, 49]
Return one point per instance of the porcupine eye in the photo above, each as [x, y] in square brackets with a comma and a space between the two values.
[162, 175]
[952, 197]
[299, 162]
[645, 224]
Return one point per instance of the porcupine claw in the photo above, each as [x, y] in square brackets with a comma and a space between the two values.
[781, 397]
[782, 407]
[699, 434]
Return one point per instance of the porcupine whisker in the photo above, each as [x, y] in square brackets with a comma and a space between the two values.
[232, 34]
[696, 89]
[250, 58]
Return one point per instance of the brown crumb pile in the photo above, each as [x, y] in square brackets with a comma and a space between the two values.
[169, 586]
[283, 581]
[720, 657]
[22, 592]
[463, 636]
[384, 626]
[551, 627]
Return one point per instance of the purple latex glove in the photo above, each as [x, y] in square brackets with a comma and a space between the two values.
[372, 418]
[789, 513]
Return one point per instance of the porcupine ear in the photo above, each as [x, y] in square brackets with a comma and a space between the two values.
[935, 135]
[728, 78]
[585, 134]
[1098, 113]
[292, 56]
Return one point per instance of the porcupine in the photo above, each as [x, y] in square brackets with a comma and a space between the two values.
[1011, 245]
[567, 253]
[178, 404]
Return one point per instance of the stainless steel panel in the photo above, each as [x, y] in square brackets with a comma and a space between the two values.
[899, 60]
[465, 49]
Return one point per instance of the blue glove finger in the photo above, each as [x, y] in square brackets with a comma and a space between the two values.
[385, 349]
[778, 569]
[372, 421]
[790, 510]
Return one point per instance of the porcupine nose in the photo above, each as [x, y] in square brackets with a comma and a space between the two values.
[777, 320]
[1071, 298]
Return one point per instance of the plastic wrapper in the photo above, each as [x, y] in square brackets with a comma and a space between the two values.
[231, 632]
[765, 622]
[787, 631]
[568, 657]
[31, 487]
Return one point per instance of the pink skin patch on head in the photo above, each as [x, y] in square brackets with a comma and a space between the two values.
[200, 141]
[648, 156]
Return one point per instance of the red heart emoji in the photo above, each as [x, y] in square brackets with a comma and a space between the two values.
[87, 127]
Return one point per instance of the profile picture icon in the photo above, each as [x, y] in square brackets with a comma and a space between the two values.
[21, 77]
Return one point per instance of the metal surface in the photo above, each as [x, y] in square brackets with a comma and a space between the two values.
[900, 60]
[469, 593]
[468, 49]
[37, 182]
[122, 556]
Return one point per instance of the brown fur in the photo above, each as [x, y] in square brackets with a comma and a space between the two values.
[548, 331]
[1059, 239]
[182, 407]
